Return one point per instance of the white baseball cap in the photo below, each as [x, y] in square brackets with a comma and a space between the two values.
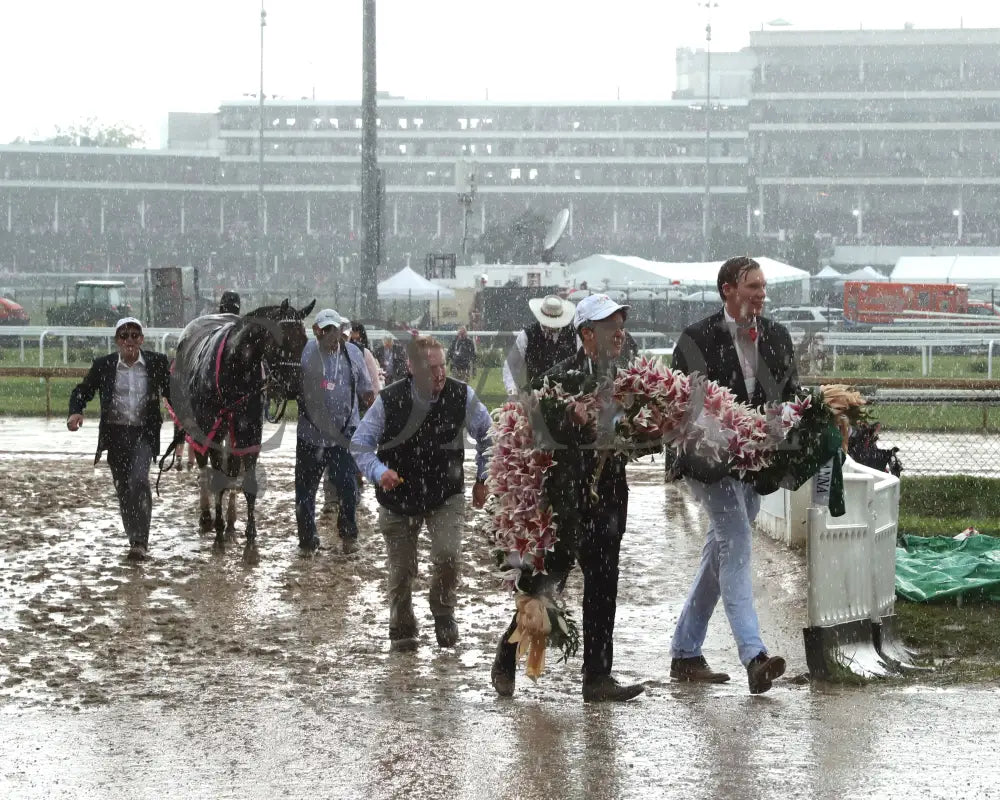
[552, 311]
[328, 317]
[595, 307]
[127, 321]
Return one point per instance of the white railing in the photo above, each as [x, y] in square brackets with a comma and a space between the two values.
[924, 340]
[161, 337]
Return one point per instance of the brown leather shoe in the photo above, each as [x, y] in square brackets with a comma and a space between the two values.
[763, 669]
[695, 669]
[605, 689]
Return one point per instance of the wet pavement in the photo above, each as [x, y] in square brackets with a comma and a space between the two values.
[197, 675]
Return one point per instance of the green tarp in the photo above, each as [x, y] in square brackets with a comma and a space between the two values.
[931, 567]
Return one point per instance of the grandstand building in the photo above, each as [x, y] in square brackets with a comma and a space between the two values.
[632, 176]
[882, 137]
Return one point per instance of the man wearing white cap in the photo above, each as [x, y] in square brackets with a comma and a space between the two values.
[600, 322]
[334, 380]
[541, 345]
[130, 383]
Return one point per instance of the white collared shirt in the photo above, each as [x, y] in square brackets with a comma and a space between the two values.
[747, 352]
[131, 386]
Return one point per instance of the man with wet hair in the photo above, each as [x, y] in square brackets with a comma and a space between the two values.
[600, 322]
[131, 383]
[754, 357]
[410, 445]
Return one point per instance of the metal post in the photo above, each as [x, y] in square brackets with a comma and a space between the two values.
[369, 166]
[706, 205]
[260, 153]
[467, 198]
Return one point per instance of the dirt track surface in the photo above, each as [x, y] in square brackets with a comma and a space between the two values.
[196, 674]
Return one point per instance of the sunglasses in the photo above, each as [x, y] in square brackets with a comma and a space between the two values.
[133, 335]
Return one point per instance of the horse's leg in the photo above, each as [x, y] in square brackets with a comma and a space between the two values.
[204, 493]
[250, 554]
[220, 519]
[231, 516]
[250, 493]
[223, 482]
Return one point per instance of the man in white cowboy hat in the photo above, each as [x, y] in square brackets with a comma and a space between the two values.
[542, 344]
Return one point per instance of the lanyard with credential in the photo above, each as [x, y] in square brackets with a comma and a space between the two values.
[331, 382]
[342, 350]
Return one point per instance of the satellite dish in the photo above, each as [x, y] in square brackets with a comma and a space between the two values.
[554, 234]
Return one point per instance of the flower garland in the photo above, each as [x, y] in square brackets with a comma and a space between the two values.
[536, 515]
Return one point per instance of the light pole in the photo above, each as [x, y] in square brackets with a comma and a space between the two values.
[706, 204]
[261, 207]
[467, 181]
[370, 221]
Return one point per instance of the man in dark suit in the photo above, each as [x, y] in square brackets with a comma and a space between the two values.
[391, 357]
[130, 383]
[754, 357]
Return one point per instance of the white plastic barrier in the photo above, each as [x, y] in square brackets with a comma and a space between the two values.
[852, 579]
[851, 571]
[784, 515]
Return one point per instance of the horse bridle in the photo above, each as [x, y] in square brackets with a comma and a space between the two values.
[279, 376]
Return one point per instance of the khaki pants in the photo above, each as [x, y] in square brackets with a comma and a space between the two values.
[444, 528]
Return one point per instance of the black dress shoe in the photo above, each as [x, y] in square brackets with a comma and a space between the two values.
[136, 552]
[695, 669]
[762, 670]
[605, 689]
[504, 670]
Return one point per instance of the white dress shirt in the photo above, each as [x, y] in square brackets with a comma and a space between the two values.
[131, 386]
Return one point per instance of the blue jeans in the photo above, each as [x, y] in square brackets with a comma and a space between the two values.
[310, 463]
[724, 572]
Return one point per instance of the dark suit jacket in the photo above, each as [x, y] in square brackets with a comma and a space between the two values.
[707, 347]
[101, 380]
[400, 364]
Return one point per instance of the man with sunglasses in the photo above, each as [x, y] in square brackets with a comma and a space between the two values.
[130, 383]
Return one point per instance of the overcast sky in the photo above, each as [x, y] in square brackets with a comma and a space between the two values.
[121, 60]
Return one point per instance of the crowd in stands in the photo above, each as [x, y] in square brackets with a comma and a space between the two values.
[851, 77]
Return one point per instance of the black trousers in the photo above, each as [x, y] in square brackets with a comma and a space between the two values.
[599, 546]
[129, 455]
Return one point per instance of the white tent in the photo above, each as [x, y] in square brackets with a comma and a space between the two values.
[631, 272]
[827, 273]
[408, 285]
[869, 274]
[978, 272]
[710, 296]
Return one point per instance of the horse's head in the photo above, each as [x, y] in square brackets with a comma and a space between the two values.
[283, 341]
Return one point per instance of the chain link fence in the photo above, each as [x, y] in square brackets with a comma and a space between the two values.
[940, 431]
